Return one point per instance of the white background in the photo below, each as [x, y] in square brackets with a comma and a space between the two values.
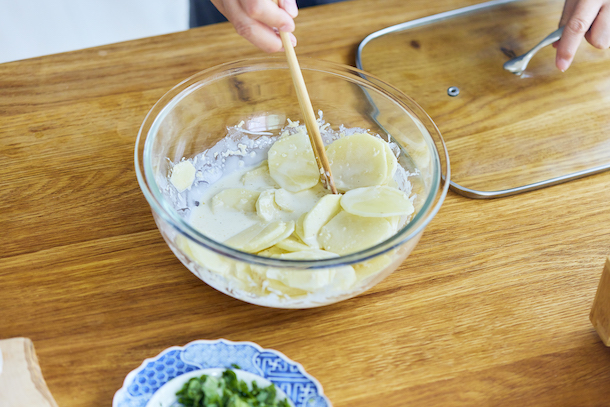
[31, 28]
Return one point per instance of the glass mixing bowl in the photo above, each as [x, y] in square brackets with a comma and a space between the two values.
[194, 116]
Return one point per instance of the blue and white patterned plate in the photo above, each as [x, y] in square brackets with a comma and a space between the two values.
[140, 384]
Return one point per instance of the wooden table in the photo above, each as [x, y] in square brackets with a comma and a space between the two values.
[490, 309]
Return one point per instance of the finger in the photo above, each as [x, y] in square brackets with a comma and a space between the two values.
[219, 6]
[568, 10]
[290, 6]
[259, 34]
[268, 13]
[577, 25]
[599, 34]
[293, 40]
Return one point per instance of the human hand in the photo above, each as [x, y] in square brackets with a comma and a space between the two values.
[582, 18]
[255, 20]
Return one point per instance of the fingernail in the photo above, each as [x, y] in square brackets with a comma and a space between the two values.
[562, 64]
[293, 40]
[291, 8]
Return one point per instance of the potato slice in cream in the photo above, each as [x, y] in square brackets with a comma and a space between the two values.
[260, 236]
[258, 176]
[391, 161]
[285, 200]
[236, 199]
[272, 251]
[204, 257]
[292, 244]
[298, 226]
[377, 202]
[183, 175]
[265, 205]
[313, 280]
[358, 161]
[323, 211]
[347, 233]
[292, 163]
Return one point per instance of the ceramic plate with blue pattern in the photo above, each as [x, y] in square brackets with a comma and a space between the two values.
[140, 384]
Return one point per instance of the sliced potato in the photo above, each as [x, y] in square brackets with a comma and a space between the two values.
[292, 163]
[347, 233]
[272, 242]
[298, 227]
[292, 244]
[340, 278]
[237, 199]
[285, 200]
[279, 288]
[204, 257]
[323, 211]
[418, 150]
[344, 278]
[391, 161]
[272, 251]
[379, 201]
[310, 254]
[308, 280]
[372, 267]
[245, 277]
[258, 176]
[395, 222]
[261, 236]
[183, 175]
[265, 205]
[305, 280]
[358, 161]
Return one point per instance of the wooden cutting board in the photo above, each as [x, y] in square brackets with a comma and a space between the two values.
[600, 313]
[21, 381]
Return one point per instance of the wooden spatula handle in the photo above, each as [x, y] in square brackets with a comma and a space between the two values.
[309, 116]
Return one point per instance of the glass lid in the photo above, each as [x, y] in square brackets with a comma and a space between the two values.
[505, 133]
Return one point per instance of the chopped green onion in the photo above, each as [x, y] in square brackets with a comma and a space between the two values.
[227, 391]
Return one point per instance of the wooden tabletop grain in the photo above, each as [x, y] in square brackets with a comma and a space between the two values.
[491, 308]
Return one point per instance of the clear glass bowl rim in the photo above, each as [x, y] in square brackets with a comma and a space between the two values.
[161, 207]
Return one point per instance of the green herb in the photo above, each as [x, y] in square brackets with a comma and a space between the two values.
[227, 391]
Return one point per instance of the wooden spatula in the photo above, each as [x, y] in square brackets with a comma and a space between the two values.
[307, 109]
